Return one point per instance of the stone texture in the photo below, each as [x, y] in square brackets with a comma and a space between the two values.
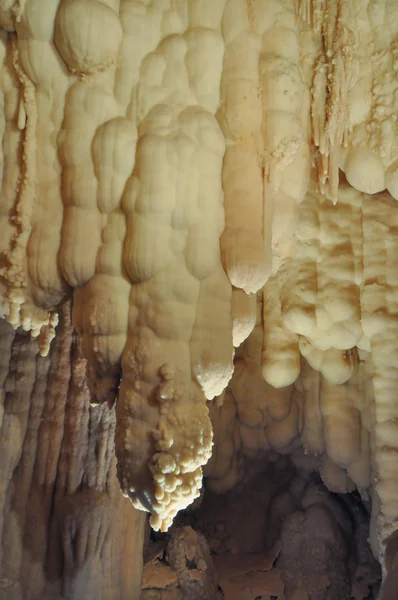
[67, 532]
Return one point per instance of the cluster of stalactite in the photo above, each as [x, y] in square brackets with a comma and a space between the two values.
[164, 163]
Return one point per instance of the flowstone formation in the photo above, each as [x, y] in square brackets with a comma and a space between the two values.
[66, 531]
[202, 176]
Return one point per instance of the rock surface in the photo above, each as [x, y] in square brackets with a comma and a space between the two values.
[67, 532]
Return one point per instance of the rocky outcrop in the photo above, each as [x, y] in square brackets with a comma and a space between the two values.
[67, 532]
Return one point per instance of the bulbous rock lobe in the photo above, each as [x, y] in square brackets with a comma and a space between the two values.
[88, 34]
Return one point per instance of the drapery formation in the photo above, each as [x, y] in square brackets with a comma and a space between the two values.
[66, 531]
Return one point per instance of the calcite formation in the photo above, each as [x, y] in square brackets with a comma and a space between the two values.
[197, 174]
[66, 531]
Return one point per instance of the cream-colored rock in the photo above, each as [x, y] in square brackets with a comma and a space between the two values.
[155, 162]
[243, 309]
[364, 171]
[280, 356]
[354, 117]
[88, 34]
[336, 366]
[392, 180]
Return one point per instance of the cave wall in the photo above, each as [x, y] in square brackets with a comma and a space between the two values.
[162, 162]
[66, 531]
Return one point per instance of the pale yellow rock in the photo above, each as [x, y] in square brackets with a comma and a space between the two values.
[243, 309]
[88, 34]
[336, 366]
[280, 356]
[364, 171]
[392, 180]
[156, 161]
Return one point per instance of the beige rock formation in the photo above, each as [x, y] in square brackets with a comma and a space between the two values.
[66, 530]
[198, 176]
